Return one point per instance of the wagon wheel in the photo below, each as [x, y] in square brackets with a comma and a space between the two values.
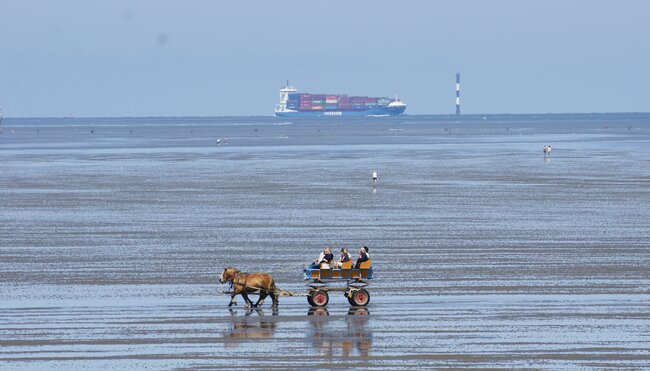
[318, 298]
[360, 298]
[309, 299]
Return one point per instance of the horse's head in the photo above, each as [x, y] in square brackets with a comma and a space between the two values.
[228, 274]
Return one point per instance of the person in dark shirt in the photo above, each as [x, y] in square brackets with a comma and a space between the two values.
[363, 256]
[325, 257]
[345, 257]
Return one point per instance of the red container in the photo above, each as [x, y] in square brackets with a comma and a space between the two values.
[372, 100]
[358, 99]
[331, 97]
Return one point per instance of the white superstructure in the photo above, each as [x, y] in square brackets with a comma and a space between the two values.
[284, 96]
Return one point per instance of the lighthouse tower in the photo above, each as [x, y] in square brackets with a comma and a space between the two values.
[458, 94]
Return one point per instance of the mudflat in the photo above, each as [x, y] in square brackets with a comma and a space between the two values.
[487, 253]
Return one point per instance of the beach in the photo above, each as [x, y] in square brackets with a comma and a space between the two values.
[486, 252]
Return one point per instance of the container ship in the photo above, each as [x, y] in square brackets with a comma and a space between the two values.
[294, 104]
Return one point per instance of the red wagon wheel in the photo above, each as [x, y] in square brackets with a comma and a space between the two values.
[318, 298]
[360, 298]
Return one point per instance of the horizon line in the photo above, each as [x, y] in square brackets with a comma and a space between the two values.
[479, 115]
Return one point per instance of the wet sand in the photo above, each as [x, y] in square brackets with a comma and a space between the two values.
[487, 254]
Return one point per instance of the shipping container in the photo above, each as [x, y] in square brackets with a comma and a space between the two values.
[332, 97]
[317, 102]
[331, 107]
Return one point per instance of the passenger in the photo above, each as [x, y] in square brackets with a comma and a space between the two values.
[363, 256]
[325, 257]
[345, 257]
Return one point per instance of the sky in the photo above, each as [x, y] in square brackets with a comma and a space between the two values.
[220, 58]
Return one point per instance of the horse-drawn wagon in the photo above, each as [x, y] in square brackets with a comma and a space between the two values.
[351, 281]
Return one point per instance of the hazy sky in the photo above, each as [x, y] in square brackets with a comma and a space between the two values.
[212, 58]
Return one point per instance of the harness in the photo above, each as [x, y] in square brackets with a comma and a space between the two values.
[239, 280]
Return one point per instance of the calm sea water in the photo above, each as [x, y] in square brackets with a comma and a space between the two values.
[486, 253]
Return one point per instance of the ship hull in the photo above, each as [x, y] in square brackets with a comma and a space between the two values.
[377, 111]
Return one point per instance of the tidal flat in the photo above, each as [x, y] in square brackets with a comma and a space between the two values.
[487, 254]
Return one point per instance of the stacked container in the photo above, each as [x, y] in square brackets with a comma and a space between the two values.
[371, 102]
[358, 103]
[344, 103]
[331, 102]
[305, 102]
[293, 101]
[318, 102]
[383, 101]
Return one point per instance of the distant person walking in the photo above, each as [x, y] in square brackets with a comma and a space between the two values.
[374, 177]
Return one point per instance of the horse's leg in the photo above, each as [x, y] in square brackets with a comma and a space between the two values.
[260, 301]
[274, 297]
[249, 302]
[232, 299]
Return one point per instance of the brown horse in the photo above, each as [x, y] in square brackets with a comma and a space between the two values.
[244, 283]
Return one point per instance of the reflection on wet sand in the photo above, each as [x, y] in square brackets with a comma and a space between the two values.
[328, 336]
[249, 326]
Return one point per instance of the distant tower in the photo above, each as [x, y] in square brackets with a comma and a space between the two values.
[458, 94]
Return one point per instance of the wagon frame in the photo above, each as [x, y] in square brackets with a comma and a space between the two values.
[353, 282]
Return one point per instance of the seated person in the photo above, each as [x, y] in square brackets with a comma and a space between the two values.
[345, 257]
[363, 256]
[325, 257]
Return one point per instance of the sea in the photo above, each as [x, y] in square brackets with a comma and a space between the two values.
[486, 252]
